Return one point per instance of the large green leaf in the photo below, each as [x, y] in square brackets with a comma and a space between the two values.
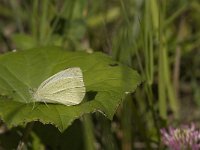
[24, 70]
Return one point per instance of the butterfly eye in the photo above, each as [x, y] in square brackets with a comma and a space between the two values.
[31, 90]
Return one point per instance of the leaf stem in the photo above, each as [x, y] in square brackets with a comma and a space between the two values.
[88, 132]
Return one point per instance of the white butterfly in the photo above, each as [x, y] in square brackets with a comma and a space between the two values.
[65, 87]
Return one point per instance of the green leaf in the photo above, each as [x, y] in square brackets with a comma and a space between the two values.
[25, 70]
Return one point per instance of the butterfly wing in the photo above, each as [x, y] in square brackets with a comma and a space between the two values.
[66, 87]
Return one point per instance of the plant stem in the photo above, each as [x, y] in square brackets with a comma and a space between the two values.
[25, 136]
[178, 57]
[88, 132]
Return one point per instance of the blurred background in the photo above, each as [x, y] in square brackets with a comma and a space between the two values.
[158, 38]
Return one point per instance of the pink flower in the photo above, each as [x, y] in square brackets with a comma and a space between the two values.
[184, 138]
